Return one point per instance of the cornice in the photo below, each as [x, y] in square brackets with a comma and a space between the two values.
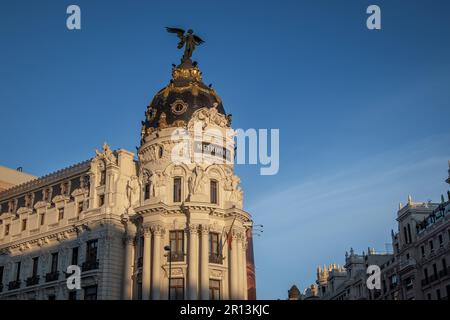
[45, 180]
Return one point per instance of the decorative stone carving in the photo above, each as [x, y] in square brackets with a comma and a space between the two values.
[193, 228]
[209, 116]
[178, 107]
[157, 230]
[162, 124]
[106, 154]
[197, 181]
[132, 189]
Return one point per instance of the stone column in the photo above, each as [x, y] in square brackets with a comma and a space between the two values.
[193, 262]
[156, 270]
[233, 274]
[244, 268]
[240, 267]
[128, 268]
[204, 263]
[146, 264]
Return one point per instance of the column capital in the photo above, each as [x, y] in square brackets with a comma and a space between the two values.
[193, 228]
[204, 229]
[146, 231]
[157, 229]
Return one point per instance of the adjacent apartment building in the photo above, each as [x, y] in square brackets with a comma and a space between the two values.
[417, 269]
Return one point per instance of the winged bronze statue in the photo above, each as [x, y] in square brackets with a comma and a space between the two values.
[187, 39]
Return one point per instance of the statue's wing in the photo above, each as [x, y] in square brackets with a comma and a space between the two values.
[179, 32]
[198, 40]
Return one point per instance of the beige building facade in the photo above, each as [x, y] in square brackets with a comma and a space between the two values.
[165, 223]
[417, 269]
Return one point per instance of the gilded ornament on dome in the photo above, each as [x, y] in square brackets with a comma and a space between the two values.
[162, 121]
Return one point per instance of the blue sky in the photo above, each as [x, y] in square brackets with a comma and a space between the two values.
[363, 115]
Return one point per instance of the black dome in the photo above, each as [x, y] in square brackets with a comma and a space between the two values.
[174, 104]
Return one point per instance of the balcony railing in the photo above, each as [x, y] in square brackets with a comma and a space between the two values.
[215, 258]
[33, 280]
[90, 265]
[52, 276]
[14, 285]
[407, 263]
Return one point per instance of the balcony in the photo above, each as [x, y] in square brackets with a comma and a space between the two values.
[90, 265]
[52, 276]
[407, 264]
[177, 256]
[14, 285]
[215, 258]
[31, 281]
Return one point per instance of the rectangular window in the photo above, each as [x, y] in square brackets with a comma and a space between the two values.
[35, 266]
[18, 265]
[405, 234]
[75, 256]
[51, 297]
[7, 229]
[24, 224]
[441, 240]
[102, 177]
[80, 207]
[101, 200]
[90, 293]
[91, 250]
[425, 273]
[214, 248]
[429, 296]
[54, 267]
[177, 189]
[60, 214]
[42, 219]
[438, 294]
[177, 289]
[213, 192]
[431, 246]
[422, 249]
[2, 268]
[177, 245]
[409, 234]
[435, 271]
[214, 289]
[147, 191]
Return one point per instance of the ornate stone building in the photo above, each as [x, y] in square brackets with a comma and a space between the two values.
[418, 268]
[155, 227]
